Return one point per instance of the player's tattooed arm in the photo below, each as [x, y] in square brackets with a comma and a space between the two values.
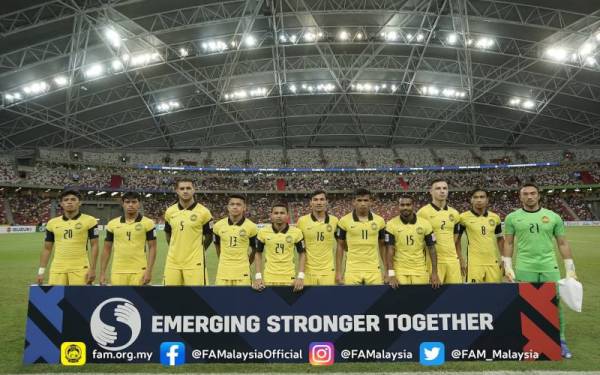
[434, 278]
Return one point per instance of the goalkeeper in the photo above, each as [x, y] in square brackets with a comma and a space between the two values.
[535, 229]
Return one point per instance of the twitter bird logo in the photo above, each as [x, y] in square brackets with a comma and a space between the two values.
[432, 353]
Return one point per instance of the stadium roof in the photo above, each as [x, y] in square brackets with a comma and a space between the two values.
[189, 74]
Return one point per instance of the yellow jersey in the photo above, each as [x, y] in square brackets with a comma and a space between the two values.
[319, 238]
[362, 239]
[409, 239]
[70, 237]
[187, 228]
[445, 224]
[482, 233]
[278, 247]
[234, 239]
[129, 243]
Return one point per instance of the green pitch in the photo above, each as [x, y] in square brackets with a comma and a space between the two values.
[19, 254]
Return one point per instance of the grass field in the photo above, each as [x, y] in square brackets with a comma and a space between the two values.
[19, 254]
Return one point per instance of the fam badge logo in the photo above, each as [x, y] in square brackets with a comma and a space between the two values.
[138, 227]
[374, 226]
[243, 233]
[72, 353]
[78, 226]
[289, 239]
[492, 222]
[545, 219]
[115, 324]
[451, 217]
[420, 230]
[193, 217]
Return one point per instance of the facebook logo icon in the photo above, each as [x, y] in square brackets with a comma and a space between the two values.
[172, 353]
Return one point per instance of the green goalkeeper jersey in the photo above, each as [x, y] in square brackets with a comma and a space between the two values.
[535, 234]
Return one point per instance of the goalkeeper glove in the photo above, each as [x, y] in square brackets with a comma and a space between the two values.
[508, 270]
[570, 268]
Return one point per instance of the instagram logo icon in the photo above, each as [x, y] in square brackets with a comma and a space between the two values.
[321, 353]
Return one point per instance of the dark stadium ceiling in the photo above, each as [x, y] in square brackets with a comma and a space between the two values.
[183, 74]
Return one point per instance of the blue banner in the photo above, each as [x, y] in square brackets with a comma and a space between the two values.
[349, 169]
[322, 325]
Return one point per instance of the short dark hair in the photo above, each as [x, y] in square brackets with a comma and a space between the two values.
[406, 196]
[317, 192]
[477, 189]
[131, 195]
[64, 193]
[436, 180]
[183, 179]
[361, 192]
[236, 196]
[280, 204]
[529, 184]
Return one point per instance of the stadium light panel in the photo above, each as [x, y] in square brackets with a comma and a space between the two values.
[484, 43]
[215, 46]
[420, 37]
[320, 34]
[61, 81]
[359, 36]
[282, 38]
[586, 49]
[250, 41]
[293, 88]
[309, 36]
[167, 106]
[452, 38]
[391, 36]
[557, 53]
[148, 195]
[590, 61]
[293, 38]
[528, 104]
[94, 71]
[114, 193]
[113, 37]
[116, 65]
[183, 52]
[343, 35]
[36, 88]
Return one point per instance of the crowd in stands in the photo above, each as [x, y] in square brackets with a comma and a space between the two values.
[31, 207]
[381, 157]
[305, 158]
[266, 157]
[61, 175]
[326, 157]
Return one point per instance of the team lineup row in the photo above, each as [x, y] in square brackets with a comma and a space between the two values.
[414, 247]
